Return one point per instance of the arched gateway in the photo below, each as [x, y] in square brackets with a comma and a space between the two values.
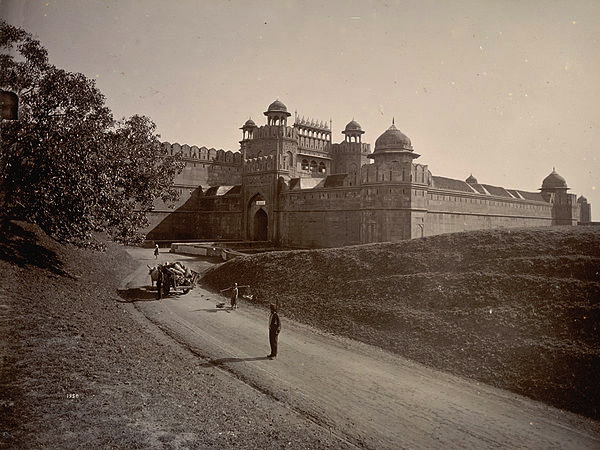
[261, 226]
[257, 219]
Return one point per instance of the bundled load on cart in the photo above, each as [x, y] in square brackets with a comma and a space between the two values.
[174, 276]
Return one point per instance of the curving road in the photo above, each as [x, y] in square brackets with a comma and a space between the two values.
[370, 398]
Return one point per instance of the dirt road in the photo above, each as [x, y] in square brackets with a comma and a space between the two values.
[368, 397]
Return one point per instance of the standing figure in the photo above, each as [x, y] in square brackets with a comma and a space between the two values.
[159, 282]
[235, 293]
[274, 329]
[156, 251]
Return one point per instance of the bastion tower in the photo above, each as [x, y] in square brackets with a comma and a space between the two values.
[585, 210]
[565, 210]
[269, 152]
[351, 154]
[393, 190]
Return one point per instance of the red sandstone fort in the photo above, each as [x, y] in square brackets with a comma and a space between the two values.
[292, 186]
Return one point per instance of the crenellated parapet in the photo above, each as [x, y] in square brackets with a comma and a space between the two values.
[275, 131]
[203, 154]
[346, 148]
[395, 172]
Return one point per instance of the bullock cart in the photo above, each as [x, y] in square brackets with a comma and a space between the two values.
[173, 277]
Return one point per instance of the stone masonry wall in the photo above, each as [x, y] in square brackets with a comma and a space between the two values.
[203, 168]
[320, 218]
[449, 212]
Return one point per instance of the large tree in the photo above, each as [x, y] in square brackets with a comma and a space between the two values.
[66, 164]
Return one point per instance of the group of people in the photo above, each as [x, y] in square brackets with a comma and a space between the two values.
[274, 322]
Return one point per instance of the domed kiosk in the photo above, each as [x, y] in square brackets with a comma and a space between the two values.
[554, 182]
[353, 132]
[277, 114]
[393, 145]
[553, 185]
[248, 129]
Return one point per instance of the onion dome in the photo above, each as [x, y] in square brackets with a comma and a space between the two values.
[353, 127]
[249, 124]
[277, 107]
[471, 180]
[392, 143]
[582, 199]
[393, 139]
[554, 181]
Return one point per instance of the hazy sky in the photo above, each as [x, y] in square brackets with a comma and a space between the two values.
[505, 90]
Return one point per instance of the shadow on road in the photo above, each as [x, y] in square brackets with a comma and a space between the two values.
[221, 361]
[137, 294]
[214, 310]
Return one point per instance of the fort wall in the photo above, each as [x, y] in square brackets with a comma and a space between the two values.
[320, 217]
[204, 167]
[449, 211]
[293, 186]
[348, 157]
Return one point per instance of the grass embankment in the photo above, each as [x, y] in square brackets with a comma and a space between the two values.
[516, 309]
[78, 371]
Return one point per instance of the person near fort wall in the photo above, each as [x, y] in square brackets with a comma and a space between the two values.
[274, 329]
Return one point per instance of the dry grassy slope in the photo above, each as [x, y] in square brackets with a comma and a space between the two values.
[517, 309]
[77, 371]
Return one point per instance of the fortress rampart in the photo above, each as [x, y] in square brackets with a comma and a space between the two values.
[292, 186]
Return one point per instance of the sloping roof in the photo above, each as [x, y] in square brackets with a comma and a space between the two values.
[537, 196]
[294, 183]
[451, 184]
[484, 189]
[479, 188]
[305, 183]
[222, 190]
[496, 190]
[335, 180]
[236, 190]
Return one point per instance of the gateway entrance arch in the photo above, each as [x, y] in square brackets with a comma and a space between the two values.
[257, 219]
[261, 226]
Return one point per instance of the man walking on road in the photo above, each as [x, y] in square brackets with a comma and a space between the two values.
[274, 329]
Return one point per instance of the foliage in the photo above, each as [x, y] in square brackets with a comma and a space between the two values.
[66, 164]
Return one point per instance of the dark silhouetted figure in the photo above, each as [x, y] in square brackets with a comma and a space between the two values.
[274, 329]
[159, 282]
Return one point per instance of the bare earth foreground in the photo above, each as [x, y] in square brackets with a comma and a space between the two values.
[79, 372]
[369, 397]
[83, 370]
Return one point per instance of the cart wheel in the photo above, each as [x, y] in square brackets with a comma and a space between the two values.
[185, 291]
